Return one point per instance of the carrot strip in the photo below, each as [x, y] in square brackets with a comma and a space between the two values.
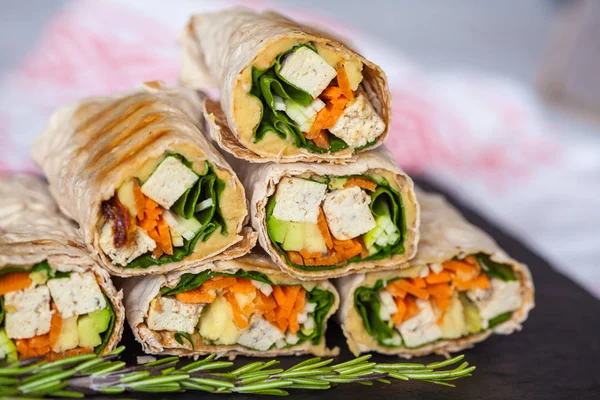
[332, 92]
[442, 303]
[295, 257]
[279, 295]
[244, 286]
[195, 296]
[412, 289]
[55, 326]
[324, 229]
[362, 183]
[322, 140]
[419, 282]
[238, 316]
[440, 290]
[395, 290]
[344, 82]
[398, 316]
[463, 270]
[319, 124]
[13, 281]
[442, 277]
[411, 307]
[291, 294]
[482, 281]
[165, 236]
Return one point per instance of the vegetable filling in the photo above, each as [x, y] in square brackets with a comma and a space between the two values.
[324, 222]
[243, 308]
[442, 301]
[160, 219]
[319, 106]
[45, 312]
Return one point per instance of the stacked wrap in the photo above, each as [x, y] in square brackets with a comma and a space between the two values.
[90, 149]
[261, 181]
[32, 231]
[221, 50]
[148, 295]
[445, 236]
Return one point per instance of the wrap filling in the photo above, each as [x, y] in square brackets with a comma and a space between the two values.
[159, 217]
[314, 99]
[324, 222]
[243, 308]
[441, 301]
[45, 312]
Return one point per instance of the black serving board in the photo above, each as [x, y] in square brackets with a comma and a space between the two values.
[556, 356]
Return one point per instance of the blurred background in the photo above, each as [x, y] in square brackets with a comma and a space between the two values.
[496, 101]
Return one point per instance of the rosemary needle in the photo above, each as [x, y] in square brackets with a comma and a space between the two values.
[78, 376]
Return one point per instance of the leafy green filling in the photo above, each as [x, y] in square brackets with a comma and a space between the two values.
[266, 84]
[367, 304]
[208, 186]
[323, 298]
[384, 193]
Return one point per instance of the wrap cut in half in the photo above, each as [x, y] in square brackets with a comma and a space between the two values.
[321, 221]
[55, 301]
[150, 194]
[459, 289]
[288, 92]
[243, 306]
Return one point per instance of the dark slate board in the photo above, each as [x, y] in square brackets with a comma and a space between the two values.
[556, 356]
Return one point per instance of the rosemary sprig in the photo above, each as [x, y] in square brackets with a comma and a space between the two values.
[78, 376]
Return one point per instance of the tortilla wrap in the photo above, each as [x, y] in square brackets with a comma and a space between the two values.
[445, 234]
[140, 291]
[219, 51]
[90, 148]
[33, 230]
[260, 181]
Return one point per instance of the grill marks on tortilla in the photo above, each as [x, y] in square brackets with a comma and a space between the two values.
[124, 225]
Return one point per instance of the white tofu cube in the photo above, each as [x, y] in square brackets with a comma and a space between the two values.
[501, 297]
[261, 335]
[169, 181]
[307, 70]
[422, 328]
[28, 312]
[77, 295]
[124, 255]
[359, 124]
[298, 200]
[347, 212]
[167, 313]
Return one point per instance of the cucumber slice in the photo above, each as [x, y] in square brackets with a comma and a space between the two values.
[8, 350]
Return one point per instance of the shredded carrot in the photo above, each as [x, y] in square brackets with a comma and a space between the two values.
[324, 229]
[440, 290]
[362, 183]
[463, 270]
[195, 296]
[442, 277]
[157, 228]
[140, 200]
[411, 307]
[412, 289]
[55, 326]
[291, 294]
[13, 281]
[279, 295]
[238, 316]
[265, 304]
[165, 237]
[442, 303]
[322, 140]
[319, 124]
[295, 257]
[398, 316]
[419, 282]
[482, 281]
[244, 286]
[344, 82]
[32, 347]
[151, 209]
[332, 92]
[395, 290]
[298, 308]
[219, 282]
